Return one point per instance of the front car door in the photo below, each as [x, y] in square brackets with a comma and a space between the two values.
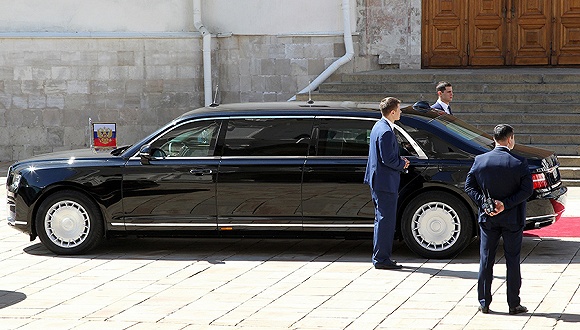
[175, 189]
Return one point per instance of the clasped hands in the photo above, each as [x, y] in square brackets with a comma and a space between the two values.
[499, 207]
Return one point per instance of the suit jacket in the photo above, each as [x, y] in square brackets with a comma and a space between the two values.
[506, 177]
[384, 165]
[438, 106]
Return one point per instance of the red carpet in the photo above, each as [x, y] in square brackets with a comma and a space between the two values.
[565, 227]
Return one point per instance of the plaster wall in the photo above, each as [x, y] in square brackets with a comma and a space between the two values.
[220, 16]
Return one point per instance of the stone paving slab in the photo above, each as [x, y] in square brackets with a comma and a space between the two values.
[274, 284]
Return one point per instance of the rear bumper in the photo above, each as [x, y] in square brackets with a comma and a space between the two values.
[544, 212]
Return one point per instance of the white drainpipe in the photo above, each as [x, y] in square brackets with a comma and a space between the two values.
[207, 87]
[349, 55]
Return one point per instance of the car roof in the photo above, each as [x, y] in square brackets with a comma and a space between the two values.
[276, 108]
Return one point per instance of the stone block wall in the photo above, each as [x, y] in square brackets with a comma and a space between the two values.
[392, 30]
[51, 86]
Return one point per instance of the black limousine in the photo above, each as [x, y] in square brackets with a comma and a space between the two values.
[287, 169]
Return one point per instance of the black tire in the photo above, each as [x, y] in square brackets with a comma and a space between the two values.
[68, 222]
[437, 225]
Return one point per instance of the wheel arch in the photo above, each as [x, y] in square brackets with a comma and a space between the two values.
[51, 190]
[459, 194]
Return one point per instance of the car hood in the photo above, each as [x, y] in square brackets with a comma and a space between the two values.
[67, 158]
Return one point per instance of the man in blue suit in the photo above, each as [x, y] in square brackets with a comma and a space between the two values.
[445, 95]
[505, 178]
[383, 174]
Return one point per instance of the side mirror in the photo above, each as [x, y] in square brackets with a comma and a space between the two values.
[146, 153]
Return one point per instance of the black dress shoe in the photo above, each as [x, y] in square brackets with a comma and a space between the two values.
[483, 309]
[388, 266]
[518, 310]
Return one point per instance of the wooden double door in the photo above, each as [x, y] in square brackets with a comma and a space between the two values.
[500, 33]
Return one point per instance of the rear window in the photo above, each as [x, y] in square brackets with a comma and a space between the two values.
[344, 137]
[268, 137]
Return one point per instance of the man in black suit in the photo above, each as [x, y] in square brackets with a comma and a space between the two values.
[445, 95]
[383, 174]
[505, 178]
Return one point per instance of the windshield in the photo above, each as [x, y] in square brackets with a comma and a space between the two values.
[464, 131]
[445, 136]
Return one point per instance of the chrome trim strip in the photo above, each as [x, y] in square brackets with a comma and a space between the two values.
[243, 225]
[17, 223]
[338, 226]
[166, 224]
[418, 150]
[260, 225]
[547, 216]
[341, 117]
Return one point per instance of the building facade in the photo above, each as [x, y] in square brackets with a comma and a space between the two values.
[138, 63]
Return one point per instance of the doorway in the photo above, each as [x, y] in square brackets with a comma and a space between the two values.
[500, 33]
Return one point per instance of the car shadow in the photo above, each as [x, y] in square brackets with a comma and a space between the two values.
[221, 250]
[9, 298]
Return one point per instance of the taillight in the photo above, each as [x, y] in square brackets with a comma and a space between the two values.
[539, 180]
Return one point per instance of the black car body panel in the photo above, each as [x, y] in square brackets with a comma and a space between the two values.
[265, 168]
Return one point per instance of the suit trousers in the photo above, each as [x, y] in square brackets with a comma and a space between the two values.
[385, 224]
[512, 243]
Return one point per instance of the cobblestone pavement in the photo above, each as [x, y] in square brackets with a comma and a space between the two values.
[274, 284]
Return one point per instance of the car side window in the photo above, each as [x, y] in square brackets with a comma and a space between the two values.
[268, 137]
[405, 146]
[196, 139]
[344, 137]
[433, 145]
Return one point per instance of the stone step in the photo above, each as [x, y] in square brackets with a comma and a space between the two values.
[569, 161]
[571, 182]
[459, 76]
[570, 170]
[475, 98]
[477, 107]
[542, 104]
[461, 89]
[520, 118]
[525, 128]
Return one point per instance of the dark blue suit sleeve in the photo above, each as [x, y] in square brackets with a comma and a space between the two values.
[472, 188]
[389, 151]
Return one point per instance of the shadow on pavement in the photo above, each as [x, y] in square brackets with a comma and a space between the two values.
[547, 251]
[9, 298]
[564, 317]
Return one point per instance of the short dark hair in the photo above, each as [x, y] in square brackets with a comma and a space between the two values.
[502, 132]
[442, 85]
[388, 104]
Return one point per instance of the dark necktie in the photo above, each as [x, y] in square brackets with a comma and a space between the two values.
[449, 110]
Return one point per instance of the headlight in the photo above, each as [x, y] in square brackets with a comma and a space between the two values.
[15, 182]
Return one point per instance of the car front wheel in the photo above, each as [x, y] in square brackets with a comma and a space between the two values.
[68, 222]
[436, 225]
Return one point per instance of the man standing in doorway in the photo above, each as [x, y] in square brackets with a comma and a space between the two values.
[383, 174]
[500, 183]
[445, 94]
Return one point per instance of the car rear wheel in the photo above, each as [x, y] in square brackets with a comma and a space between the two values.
[68, 222]
[436, 225]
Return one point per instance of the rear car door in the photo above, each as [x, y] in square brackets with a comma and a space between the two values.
[176, 189]
[334, 195]
[260, 173]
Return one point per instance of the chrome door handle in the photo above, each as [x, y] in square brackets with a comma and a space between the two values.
[200, 171]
